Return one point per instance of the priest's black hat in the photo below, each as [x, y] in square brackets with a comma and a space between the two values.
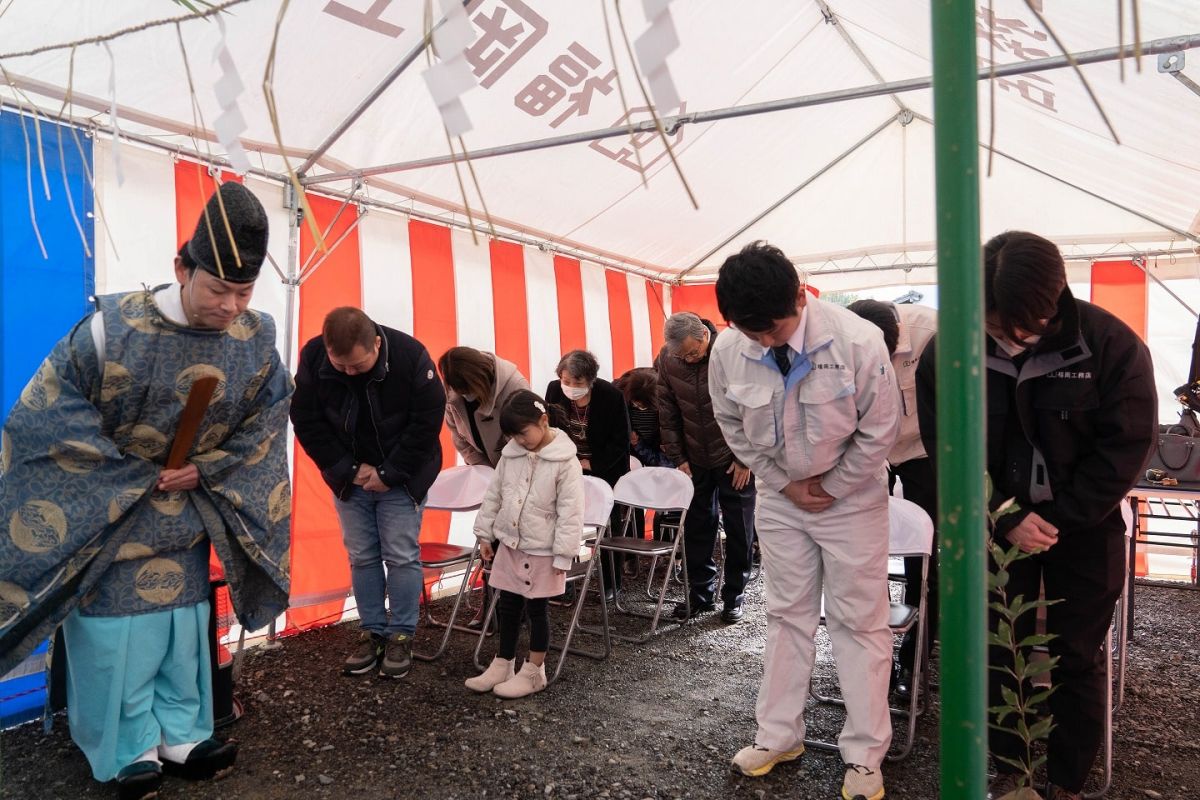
[231, 209]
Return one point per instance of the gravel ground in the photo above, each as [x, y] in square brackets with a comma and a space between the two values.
[656, 721]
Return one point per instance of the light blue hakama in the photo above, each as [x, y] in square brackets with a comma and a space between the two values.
[136, 682]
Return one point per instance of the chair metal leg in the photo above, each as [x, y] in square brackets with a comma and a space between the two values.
[678, 553]
[449, 626]
[1122, 646]
[566, 645]
[487, 621]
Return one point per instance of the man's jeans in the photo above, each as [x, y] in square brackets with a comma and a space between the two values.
[381, 528]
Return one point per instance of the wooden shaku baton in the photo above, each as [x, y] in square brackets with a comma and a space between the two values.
[189, 421]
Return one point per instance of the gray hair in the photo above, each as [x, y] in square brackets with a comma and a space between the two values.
[681, 327]
[579, 364]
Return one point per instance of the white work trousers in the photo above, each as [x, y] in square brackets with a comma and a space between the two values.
[844, 548]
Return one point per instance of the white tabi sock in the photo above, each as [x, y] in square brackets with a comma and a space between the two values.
[177, 753]
[149, 755]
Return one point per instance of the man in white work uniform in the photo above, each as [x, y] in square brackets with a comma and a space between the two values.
[805, 395]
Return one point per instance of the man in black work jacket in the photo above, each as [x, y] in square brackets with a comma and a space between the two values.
[1071, 421]
[368, 409]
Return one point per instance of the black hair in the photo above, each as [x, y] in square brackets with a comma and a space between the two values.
[757, 287]
[640, 385]
[185, 257]
[882, 316]
[1023, 278]
[523, 408]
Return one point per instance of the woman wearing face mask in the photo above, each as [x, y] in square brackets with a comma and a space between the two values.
[478, 384]
[592, 412]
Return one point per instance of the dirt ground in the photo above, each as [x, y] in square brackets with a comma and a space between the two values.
[654, 721]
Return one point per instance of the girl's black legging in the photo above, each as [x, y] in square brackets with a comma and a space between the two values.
[509, 610]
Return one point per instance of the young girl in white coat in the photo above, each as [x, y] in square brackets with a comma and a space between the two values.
[530, 526]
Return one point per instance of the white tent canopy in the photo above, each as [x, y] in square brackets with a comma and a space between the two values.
[873, 208]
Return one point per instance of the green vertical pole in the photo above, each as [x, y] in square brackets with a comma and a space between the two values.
[960, 392]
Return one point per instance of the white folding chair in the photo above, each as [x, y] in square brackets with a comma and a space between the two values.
[455, 489]
[910, 534]
[597, 511]
[650, 489]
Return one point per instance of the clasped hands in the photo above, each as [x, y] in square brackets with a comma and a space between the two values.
[809, 495]
[368, 479]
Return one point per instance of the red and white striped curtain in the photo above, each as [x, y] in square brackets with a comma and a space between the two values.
[527, 305]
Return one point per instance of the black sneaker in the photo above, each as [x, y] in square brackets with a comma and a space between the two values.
[365, 656]
[680, 612]
[732, 614]
[397, 656]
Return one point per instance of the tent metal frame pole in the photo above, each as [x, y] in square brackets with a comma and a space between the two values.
[961, 417]
[831, 18]
[672, 123]
[1140, 214]
[803, 185]
[1122, 255]
[368, 101]
[292, 282]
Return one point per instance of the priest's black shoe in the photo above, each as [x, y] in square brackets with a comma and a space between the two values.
[140, 780]
[209, 759]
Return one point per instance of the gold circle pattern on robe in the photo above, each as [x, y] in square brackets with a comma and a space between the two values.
[78, 458]
[170, 504]
[144, 441]
[134, 551]
[212, 437]
[117, 381]
[122, 503]
[137, 312]
[43, 389]
[245, 327]
[186, 377]
[279, 505]
[13, 600]
[159, 581]
[38, 526]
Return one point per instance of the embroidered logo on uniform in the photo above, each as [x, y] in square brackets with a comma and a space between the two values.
[828, 366]
[1062, 373]
[882, 369]
[429, 375]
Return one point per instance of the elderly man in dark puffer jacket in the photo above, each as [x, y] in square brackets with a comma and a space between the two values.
[693, 440]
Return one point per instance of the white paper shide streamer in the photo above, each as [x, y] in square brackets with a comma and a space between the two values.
[652, 49]
[112, 113]
[451, 77]
[230, 124]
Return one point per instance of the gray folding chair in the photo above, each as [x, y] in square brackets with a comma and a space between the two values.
[455, 489]
[597, 511]
[910, 535]
[650, 489]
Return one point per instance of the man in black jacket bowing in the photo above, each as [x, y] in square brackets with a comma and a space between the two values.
[368, 409]
[1071, 419]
